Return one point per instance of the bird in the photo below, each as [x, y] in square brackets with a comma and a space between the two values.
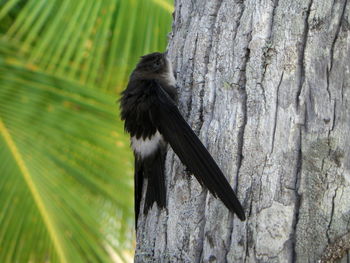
[148, 107]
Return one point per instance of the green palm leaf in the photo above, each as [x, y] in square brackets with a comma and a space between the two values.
[66, 169]
[93, 42]
[66, 161]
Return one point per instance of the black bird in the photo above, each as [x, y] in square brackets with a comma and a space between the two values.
[148, 107]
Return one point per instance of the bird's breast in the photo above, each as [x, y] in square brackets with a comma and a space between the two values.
[146, 147]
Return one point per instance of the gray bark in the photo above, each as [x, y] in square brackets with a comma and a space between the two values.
[266, 86]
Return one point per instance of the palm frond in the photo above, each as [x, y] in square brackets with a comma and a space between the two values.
[92, 42]
[66, 170]
[65, 161]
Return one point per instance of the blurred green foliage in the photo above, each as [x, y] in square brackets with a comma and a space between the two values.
[65, 165]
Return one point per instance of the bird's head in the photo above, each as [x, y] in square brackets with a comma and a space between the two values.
[152, 65]
[155, 66]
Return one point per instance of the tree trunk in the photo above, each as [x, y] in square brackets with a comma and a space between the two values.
[266, 86]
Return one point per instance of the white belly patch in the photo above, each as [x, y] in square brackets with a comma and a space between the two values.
[145, 147]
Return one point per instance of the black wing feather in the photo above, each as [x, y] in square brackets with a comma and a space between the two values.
[138, 182]
[154, 171]
[192, 152]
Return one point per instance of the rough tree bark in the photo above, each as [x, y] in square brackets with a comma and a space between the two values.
[266, 86]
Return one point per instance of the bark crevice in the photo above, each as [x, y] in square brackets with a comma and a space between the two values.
[301, 62]
[331, 216]
[276, 114]
[337, 34]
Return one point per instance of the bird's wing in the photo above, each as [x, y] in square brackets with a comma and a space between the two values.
[138, 182]
[191, 151]
[151, 168]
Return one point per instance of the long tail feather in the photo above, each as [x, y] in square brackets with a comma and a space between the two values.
[192, 152]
